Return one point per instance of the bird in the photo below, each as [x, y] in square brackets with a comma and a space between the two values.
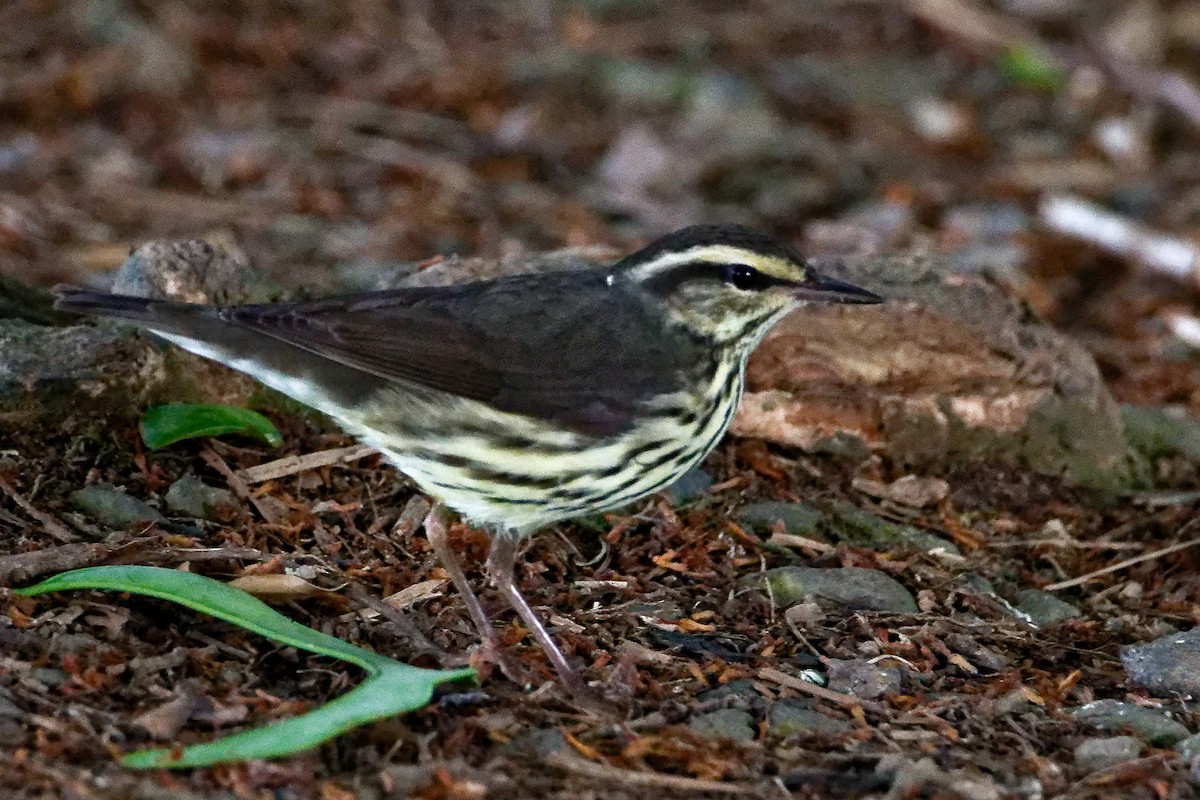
[526, 400]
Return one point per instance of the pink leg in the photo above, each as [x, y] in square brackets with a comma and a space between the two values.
[437, 531]
[501, 561]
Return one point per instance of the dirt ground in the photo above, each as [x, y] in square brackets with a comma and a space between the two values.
[328, 141]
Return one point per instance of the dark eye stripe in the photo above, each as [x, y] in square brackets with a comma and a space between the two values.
[668, 280]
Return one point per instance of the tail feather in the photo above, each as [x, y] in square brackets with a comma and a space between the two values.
[161, 315]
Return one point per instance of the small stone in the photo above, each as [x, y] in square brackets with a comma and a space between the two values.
[742, 689]
[1161, 433]
[1149, 725]
[692, 485]
[797, 518]
[1043, 608]
[1167, 665]
[1094, 754]
[192, 497]
[854, 588]
[912, 491]
[852, 524]
[790, 716]
[112, 507]
[726, 723]
[1188, 748]
[864, 679]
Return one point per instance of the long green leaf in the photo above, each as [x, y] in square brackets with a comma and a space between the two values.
[174, 422]
[391, 689]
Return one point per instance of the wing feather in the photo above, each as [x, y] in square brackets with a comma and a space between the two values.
[540, 345]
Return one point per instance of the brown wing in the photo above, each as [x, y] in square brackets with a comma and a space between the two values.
[568, 347]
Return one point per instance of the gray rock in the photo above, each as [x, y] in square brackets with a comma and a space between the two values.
[798, 518]
[1161, 432]
[65, 371]
[864, 679]
[790, 716]
[854, 588]
[194, 498]
[742, 690]
[1149, 725]
[850, 523]
[1168, 665]
[1188, 748]
[1094, 754]
[1043, 608]
[725, 723]
[112, 507]
[693, 485]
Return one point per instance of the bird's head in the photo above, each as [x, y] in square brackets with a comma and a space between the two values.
[729, 283]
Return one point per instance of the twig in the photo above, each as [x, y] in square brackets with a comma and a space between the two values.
[52, 526]
[1120, 565]
[846, 700]
[1073, 216]
[607, 775]
[237, 485]
[290, 465]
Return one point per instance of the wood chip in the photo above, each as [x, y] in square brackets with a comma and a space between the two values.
[291, 465]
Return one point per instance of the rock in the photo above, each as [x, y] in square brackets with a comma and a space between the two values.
[189, 271]
[912, 491]
[854, 588]
[111, 507]
[798, 518]
[1161, 432]
[864, 679]
[693, 485]
[790, 716]
[850, 523]
[1094, 754]
[62, 372]
[972, 376]
[95, 371]
[725, 723]
[1043, 608]
[1149, 725]
[1167, 665]
[1188, 748]
[194, 498]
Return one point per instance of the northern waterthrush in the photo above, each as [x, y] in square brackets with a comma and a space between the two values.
[524, 400]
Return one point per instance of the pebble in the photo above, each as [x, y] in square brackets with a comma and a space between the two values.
[112, 507]
[864, 679]
[1043, 608]
[1167, 665]
[1188, 748]
[192, 497]
[1094, 754]
[854, 588]
[725, 723]
[797, 518]
[790, 716]
[692, 485]
[1148, 724]
[850, 523]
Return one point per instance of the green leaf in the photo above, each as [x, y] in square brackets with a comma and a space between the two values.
[391, 688]
[1032, 67]
[174, 422]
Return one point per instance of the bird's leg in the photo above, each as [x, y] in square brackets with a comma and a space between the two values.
[437, 532]
[501, 561]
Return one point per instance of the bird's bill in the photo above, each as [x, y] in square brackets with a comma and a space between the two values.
[816, 288]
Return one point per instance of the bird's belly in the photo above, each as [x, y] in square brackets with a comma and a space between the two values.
[510, 472]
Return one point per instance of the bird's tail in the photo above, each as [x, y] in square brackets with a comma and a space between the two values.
[159, 315]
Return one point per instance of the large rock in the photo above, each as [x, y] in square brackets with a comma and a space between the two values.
[950, 368]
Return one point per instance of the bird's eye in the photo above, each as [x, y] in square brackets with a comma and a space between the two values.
[742, 277]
